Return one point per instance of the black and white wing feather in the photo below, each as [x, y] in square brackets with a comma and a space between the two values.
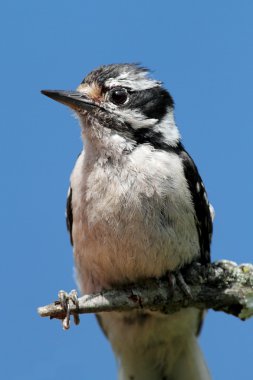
[201, 205]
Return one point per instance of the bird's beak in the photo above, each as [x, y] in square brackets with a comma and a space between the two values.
[73, 99]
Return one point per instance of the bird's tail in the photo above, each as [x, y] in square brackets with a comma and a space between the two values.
[189, 364]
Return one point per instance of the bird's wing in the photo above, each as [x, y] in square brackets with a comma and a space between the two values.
[201, 206]
[69, 214]
[204, 212]
[69, 208]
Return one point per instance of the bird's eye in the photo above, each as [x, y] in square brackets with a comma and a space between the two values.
[118, 95]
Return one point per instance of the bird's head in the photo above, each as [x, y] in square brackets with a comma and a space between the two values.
[121, 103]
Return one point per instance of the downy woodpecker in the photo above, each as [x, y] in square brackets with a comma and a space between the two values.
[137, 208]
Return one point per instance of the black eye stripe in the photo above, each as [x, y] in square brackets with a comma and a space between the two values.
[152, 102]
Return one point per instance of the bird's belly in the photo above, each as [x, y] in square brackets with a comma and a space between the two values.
[131, 244]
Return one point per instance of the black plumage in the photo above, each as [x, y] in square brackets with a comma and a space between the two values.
[69, 214]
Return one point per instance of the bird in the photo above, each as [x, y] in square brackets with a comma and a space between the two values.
[137, 208]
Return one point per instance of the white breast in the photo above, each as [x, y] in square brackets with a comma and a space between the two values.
[132, 219]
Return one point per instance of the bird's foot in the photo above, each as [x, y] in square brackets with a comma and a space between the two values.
[176, 278]
[66, 299]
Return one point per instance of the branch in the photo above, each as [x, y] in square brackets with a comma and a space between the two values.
[221, 286]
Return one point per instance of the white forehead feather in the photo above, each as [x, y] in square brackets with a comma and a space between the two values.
[137, 81]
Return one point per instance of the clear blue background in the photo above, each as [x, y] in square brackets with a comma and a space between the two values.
[202, 50]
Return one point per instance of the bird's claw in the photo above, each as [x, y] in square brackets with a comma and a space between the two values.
[182, 284]
[65, 300]
[176, 278]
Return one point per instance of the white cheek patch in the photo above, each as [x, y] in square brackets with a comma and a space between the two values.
[168, 128]
[135, 118]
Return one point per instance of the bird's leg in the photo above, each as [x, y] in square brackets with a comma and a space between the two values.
[65, 299]
[171, 281]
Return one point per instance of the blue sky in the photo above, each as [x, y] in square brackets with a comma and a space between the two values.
[203, 53]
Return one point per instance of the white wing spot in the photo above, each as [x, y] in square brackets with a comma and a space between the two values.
[205, 198]
[198, 187]
[212, 211]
